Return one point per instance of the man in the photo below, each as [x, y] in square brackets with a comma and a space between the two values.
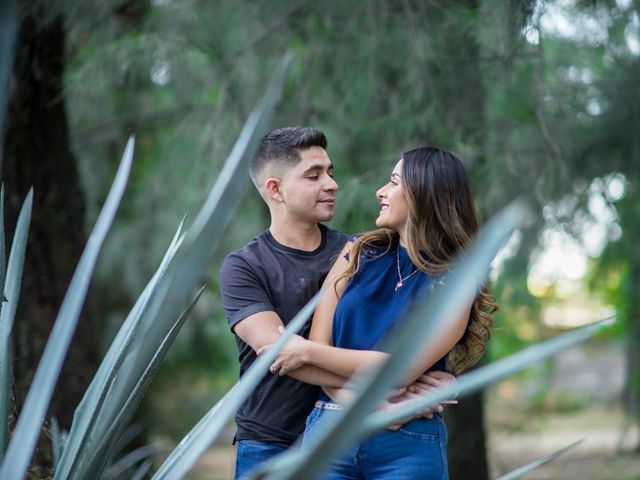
[266, 283]
[269, 280]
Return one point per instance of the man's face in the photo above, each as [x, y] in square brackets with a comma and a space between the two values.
[308, 189]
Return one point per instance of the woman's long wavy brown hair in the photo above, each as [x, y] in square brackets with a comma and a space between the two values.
[441, 223]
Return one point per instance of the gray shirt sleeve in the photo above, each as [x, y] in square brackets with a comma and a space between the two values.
[243, 294]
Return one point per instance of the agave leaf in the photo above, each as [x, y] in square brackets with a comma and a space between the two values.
[185, 270]
[3, 264]
[130, 459]
[195, 443]
[410, 336]
[518, 473]
[208, 227]
[131, 432]
[5, 353]
[12, 281]
[30, 422]
[56, 442]
[104, 446]
[142, 470]
[8, 30]
[217, 209]
[94, 401]
[487, 375]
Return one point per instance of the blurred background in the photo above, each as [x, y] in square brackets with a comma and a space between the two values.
[541, 99]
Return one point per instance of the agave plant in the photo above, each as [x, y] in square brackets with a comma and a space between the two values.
[10, 280]
[194, 444]
[101, 420]
[519, 472]
[354, 424]
[107, 406]
[420, 328]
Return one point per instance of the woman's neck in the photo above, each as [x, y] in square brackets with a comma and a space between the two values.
[402, 238]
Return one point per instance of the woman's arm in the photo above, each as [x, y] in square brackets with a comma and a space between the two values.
[341, 361]
[448, 337]
[345, 362]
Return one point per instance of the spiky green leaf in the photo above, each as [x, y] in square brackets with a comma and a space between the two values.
[139, 455]
[417, 331]
[195, 443]
[3, 260]
[186, 268]
[12, 284]
[105, 445]
[518, 473]
[95, 402]
[57, 444]
[487, 375]
[142, 470]
[30, 422]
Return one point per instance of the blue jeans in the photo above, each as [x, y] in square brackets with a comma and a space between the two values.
[250, 454]
[415, 451]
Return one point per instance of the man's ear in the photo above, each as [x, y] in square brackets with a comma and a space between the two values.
[272, 188]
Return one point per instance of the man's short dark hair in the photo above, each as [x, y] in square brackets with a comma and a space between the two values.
[282, 148]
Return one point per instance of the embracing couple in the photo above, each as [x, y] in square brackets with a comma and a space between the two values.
[426, 216]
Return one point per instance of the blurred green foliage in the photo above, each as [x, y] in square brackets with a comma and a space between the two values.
[532, 108]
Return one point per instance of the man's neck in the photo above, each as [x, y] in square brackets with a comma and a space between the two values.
[301, 236]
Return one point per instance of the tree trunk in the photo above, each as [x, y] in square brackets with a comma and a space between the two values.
[461, 97]
[466, 447]
[628, 220]
[37, 154]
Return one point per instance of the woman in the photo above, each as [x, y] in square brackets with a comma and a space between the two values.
[426, 217]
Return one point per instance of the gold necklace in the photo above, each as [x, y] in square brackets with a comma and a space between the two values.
[402, 280]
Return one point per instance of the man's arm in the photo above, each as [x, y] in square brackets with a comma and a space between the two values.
[261, 329]
[251, 315]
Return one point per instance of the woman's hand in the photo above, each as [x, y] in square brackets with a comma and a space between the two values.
[431, 381]
[398, 400]
[292, 356]
[425, 384]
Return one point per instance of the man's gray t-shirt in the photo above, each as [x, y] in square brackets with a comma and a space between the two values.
[262, 276]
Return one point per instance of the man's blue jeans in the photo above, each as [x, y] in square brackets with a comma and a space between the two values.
[250, 454]
[416, 451]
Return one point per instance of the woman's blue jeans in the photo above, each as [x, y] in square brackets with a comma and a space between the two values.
[415, 451]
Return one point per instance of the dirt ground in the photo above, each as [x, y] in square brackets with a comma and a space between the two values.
[605, 453]
[572, 398]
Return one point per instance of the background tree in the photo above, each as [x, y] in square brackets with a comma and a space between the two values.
[37, 154]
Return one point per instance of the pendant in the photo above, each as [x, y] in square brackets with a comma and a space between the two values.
[398, 285]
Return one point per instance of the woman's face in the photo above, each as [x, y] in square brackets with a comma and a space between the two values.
[394, 210]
